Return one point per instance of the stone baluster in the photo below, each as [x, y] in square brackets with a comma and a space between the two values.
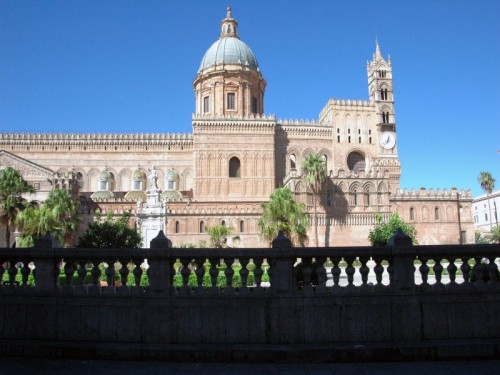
[424, 270]
[200, 272]
[465, 268]
[350, 270]
[25, 272]
[137, 272]
[229, 272]
[214, 272]
[364, 270]
[336, 271]
[82, 272]
[124, 272]
[452, 269]
[438, 271]
[493, 270]
[244, 276]
[96, 272]
[379, 270]
[320, 275]
[258, 273]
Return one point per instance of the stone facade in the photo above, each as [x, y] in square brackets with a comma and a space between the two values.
[237, 155]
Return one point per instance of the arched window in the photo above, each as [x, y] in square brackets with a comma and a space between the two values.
[242, 226]
[367, 197]
[202, 227]
[223, 223]
[355, 197]
[412, 214]
[234, 167]
[177, 227]
[293, 161]
[356, 162]
[436, 213]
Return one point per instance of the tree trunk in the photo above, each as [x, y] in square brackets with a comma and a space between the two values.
[315, 221]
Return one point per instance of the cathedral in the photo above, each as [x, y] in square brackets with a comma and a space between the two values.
[237, 155]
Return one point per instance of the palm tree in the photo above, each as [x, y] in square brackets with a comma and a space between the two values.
[314, 174]
[12, 186]
[62, 208]
[283, 213]
[58, 214]
[218, 236]
[487, 183]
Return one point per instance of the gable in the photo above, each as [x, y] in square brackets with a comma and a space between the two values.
[30, 171]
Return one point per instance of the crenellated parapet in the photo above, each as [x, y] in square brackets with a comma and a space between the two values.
[431, 194]
[344, 105]
[94, 142]
[248, 116]
[304, 130]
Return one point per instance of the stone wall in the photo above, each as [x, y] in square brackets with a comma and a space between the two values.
[336, 304]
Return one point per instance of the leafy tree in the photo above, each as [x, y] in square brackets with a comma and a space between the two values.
[487, 183]
[494, 236]
[480, 238]
[382, 232]
[111, 234]
[57, 214]
[219, 234]
[314, 174]
[283, 213]
[12, 186]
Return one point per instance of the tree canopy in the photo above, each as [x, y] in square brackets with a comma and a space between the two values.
[382, 232]
[283, 213]
[12, 186]
[111, 234]
[314, 174]
[219, 235]
[486, 181]
[57, 214]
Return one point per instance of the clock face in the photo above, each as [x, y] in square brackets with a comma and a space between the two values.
[388, 140]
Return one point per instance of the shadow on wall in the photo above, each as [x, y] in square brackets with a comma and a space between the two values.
[335, 204]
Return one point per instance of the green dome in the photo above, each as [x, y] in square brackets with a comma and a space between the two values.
[138, 175]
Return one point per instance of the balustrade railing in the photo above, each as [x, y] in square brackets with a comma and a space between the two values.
[280, 270]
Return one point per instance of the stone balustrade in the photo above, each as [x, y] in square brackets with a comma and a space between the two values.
[395, 302]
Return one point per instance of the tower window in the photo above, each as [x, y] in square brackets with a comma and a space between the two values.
[412, 214]
[234, 167]
[231, 100]
[293, 161]
[242, 226]
[254, 105]
[206, 104]
[436, 213]
[385, 117]
[177, 227]
[338, 138]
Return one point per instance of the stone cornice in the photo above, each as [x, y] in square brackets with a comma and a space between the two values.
[94, 139]
[431, 194]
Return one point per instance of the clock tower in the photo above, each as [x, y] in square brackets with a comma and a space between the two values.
[381, 91]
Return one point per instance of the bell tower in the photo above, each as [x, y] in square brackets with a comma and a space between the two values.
[381, 92]
[380, 89]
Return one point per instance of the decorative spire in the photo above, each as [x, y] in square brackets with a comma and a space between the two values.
[377, 54]
[229, 26]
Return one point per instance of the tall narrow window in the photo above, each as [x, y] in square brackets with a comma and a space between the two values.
[242, 226]
[206, 104]
[231, 100]
[293, 160]
[355, 197]
[234, 167]
[412, 214]
[254, 105]
[177, 227]
[202, 227]
[367, 198]
[436, 213]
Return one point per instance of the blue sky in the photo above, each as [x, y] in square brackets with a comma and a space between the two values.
[127, 66]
